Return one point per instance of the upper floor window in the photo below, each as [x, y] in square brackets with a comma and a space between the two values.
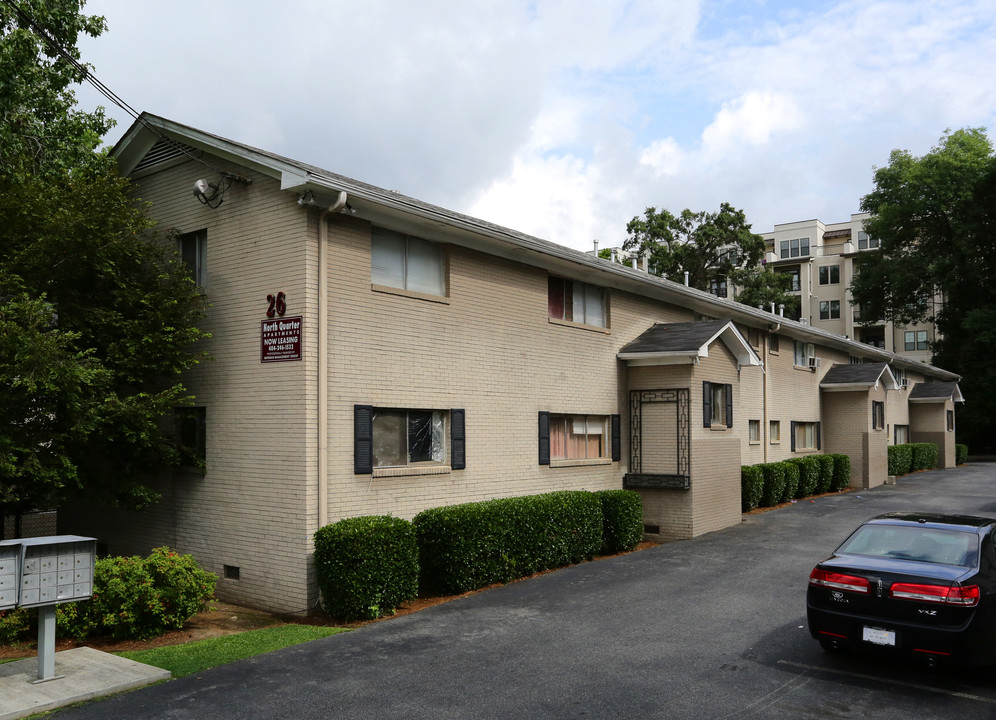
[406, 262]
[717, 286]
[803, 351]
[829, 309]
[878, 415]
[830, 275]
[865, 242]
[793, 272]
[576, 301]
[915, 340]
[717, 405]
[192, 247]
[799, 247]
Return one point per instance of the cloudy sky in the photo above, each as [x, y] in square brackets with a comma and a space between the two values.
[566, 118]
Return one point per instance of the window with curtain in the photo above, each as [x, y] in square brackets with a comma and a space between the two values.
[579, 437]
[407, 262]
[576, 301]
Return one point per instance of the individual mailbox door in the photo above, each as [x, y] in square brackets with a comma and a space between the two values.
[10, 560]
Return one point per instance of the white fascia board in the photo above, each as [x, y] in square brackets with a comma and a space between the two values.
[662, 358]
[737, 345]
[847, 387]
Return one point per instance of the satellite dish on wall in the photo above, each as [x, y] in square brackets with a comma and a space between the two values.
[207, 193]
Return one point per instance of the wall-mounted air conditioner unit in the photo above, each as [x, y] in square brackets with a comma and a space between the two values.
[814, 362]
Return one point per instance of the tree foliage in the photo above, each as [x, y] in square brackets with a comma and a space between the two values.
[97, 314]
[703, 244]
[935, 219]
[760, 286]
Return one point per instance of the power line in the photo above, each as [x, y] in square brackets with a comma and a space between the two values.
[57, 48]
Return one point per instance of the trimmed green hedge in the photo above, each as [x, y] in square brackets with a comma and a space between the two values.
[900, 459]
[925, 456]
[809, 474]
[791, 471]
[751, 487]
[366, 566]
[622, 520]
[774, 483]
[841, 471]
[826, 473]
[465, 547]
[961, 454]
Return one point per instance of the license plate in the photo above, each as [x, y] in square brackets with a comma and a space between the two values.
[879, 636]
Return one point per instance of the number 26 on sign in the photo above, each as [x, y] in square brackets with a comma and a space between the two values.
[277, 306]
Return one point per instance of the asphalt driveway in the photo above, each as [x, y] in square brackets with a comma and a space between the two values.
[707, 628]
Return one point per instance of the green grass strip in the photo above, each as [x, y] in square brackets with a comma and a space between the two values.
[203, 654]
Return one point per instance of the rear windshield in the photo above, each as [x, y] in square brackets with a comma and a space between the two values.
[946, 547]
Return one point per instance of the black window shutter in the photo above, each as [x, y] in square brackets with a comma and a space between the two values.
[706, 404]
[362, 439]
[819, 445]
[729, 406]
[458, 440]
[792, 435]
[616, 439]
[544, 438]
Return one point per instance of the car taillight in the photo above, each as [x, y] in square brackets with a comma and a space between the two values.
[839, 581]
[967, 596]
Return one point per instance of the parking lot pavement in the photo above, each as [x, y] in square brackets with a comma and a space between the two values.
[707, 628]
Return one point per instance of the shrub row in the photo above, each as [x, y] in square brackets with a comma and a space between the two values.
[133, 598]
[768, 484]
[961, 454]
[911, 457]
[368, 566]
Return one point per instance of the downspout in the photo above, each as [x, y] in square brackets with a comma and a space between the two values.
[323, 359]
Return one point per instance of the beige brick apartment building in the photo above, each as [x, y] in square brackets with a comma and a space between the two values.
[374, 354]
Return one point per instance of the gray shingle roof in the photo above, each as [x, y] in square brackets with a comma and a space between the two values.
[936, 391]
[675, 337]
[855, 374]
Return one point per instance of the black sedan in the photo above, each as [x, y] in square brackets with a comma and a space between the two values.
[915, 583]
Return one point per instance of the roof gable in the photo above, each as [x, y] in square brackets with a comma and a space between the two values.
[936, 392]
[683, 343]
[858, 376]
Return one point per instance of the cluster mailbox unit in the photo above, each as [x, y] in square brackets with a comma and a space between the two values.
[42, 572]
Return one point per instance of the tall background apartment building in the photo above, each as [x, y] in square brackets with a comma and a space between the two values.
[822, 260]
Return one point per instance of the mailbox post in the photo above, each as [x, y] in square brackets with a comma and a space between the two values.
[44, 572]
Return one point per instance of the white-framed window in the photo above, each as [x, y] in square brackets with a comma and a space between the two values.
[407, 263]
[192, 247]
[754, 431]
[865, 242]
[829, 274]
[878, 415]
[797, 247]
[576, 301]
[806, 436]
[901, 434]
[774, 432]
[915, 340]
[579, 437]
[829, 309]
[803, 351]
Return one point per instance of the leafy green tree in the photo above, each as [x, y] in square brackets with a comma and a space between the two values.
[706, 245]
[41, 129]
[759, 286]
[935, 219]
[98, 315]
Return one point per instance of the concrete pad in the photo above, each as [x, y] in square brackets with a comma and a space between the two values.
[86, 674]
